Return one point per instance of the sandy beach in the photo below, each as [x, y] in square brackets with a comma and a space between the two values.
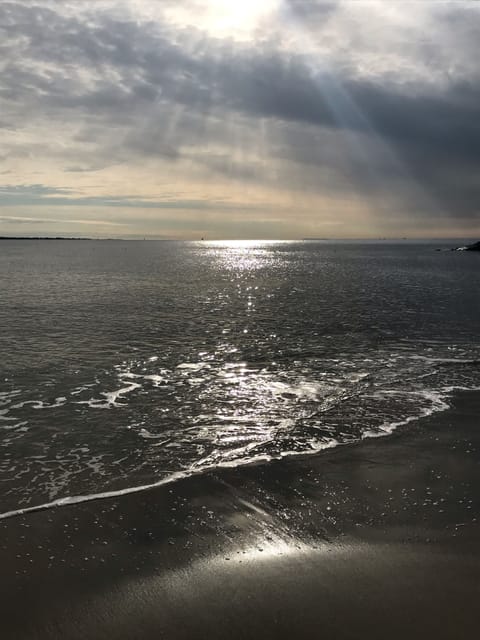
[373, 540]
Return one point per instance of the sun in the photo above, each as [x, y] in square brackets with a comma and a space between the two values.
[236, 18]
[232, 19]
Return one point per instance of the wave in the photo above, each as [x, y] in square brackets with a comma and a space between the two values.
[141, 420]
[439, 405]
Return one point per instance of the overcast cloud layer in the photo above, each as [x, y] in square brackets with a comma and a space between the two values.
[222, 119]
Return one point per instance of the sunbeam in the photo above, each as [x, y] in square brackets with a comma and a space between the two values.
[367, 162]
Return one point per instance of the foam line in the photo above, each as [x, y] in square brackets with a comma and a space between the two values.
[439, 404]
[175, 477]
[181, 475]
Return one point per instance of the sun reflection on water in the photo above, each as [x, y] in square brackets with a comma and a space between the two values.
[242, 255]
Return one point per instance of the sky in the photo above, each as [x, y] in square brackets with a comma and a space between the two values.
[240, 119]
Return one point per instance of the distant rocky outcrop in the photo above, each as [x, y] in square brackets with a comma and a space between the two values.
[470, 247]
[474, 247]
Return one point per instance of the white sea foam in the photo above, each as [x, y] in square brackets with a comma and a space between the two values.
[144, 433]
[193, 366]
[248, 415]
[111, 397]
[444, 360]
[84, 387]
[174, 477]
[438, 404]
[4, 415]
[238, 457]
[156, 380]
[207, 464]
[452, 389]
[6, 396]
[40, 404]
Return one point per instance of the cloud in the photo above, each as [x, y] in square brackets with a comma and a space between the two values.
[326, 100]
[21, 220]
[36, 194]
[37, 190]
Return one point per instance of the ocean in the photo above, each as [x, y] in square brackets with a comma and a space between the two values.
[127, 364]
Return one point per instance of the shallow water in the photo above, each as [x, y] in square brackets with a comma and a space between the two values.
[128, 363]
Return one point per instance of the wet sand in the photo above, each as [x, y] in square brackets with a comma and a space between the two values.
[376, 540]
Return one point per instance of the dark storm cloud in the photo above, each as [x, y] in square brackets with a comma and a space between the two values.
[436, 137]
[99, 72]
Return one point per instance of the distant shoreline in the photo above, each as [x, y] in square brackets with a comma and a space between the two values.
[81, 238]
[327, 240]
[48, 238]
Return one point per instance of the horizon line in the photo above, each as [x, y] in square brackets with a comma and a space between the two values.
[140, 238]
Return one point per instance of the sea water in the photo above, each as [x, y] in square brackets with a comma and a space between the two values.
[124, 364]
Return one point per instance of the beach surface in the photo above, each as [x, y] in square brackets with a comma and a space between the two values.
[374, 540]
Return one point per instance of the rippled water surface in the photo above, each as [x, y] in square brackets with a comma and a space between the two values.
[124, 363]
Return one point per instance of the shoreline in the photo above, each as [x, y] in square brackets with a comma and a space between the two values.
[179, 476]
[369, 540]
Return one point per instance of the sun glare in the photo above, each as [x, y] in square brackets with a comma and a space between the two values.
[238, 19]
